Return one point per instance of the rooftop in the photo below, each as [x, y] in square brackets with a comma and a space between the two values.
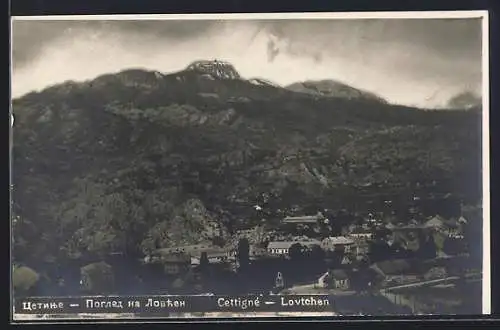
[195, 249]
[337, 240]
[176, 258]
[302, 219]
[339, 274]
[288, 244]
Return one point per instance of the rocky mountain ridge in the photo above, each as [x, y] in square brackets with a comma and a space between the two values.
[332, 88]
[212, 77]
[215, 69]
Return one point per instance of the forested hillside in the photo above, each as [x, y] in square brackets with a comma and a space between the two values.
[139, 160]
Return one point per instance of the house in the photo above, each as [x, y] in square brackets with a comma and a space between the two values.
[396, 271]
[451, 228]
[338, 279]
[214, 257]
[176, 263]
[217, 256]
[231, 252]
[336, 243]
[195, 261]
[256, 252]
[408, 240]
[362, 234]
[194, 249]
[194, 252]
[346, 260]
[352, 228]
[361, 247]
[282, 247]
[436, 223]
[307, 219]
[323, 280]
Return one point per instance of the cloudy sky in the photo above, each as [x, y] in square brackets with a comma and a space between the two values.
[420, 62]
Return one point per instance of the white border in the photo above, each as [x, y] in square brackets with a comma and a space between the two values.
[266, 16]
[486, 168]
[483, 14]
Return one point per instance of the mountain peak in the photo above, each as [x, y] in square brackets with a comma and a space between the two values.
[215, 68]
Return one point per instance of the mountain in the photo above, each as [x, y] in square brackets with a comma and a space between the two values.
[465, 100]
[138, 160]
[264, 82]
[331, 88]
[215, 69]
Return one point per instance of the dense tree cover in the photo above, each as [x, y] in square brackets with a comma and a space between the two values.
[24, 280]
[132, 162]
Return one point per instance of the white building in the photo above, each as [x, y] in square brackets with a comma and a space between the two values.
[365, 235]
[338, 242]
[279, 248]
[283, 247]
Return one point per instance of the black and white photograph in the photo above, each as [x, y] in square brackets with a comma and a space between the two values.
[252, 155]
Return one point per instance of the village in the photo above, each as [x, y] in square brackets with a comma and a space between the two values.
[300, 255]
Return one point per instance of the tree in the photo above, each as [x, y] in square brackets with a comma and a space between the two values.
[317, 253]
[427, 249]
[26, 235]
[98, 221]
[379, 250]
[204, 264]
[24, 280]
[381, 234]
[178, 284]
[243, 252]
[204, 260]
[97, 278]
[296, 251]
[334, 258]
[361, 280]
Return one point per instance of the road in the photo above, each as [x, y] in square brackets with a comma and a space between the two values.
[393, 296]
[423, 283]
[314, 288]
[311, 289]
[300, 289]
